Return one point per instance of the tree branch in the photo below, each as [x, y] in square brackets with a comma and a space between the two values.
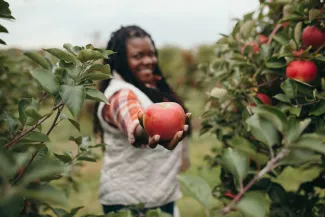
[16, 139]
[60, 108]
[270, 166]
[275, 30]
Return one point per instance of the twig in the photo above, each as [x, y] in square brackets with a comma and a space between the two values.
[45, 95]
[319, 49]
[55, 119]
[270, 166]
[60, 108]
[16, 139]
[275, 30]
[268, 82]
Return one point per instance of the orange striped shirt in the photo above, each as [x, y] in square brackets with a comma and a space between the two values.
[122, 113]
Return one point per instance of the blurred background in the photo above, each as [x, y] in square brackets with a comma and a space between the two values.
[184, 31]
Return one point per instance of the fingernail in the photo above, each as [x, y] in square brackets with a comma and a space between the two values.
[180, 134]
[156, 137]
[186, 127]
[189, 115]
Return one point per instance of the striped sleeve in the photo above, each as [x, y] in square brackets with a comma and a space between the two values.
[122, 112]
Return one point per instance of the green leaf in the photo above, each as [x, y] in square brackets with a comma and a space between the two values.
[85, 158]
[265, 50]
[31, 111]
[196, 187]
[119, 214]
[11, 122]
[95, 95]
[7, 162]
[46, 194]
[254, 204]
[236, 163]
[290, 88]
[281, 97]
[77, 140]
[3, 29]
[298, 30]
[65, 158]
[314, 14]
[43, 168]
[297, 157]
[2, 42]
[246, 28]
[75, 124]
[46, 79]
[89, 54]
[12, 207]
[106, 69]
[318, 109]
[273, 114]
[275, 64]
[95, 76]
[61, 55]
[75, 210]
[295, 129]
[243, 145]
[321, 58]
[263, 130]
[69, 47]
[38, 58]
[314, 142]
[35, 136]
[73, 97]
[281, 38]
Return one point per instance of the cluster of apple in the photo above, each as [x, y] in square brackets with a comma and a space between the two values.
[300, 69]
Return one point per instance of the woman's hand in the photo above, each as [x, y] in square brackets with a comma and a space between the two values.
[171, 144]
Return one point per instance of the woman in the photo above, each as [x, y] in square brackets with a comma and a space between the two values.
[137, 169]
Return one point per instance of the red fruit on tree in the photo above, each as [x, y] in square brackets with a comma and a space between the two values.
[164, 119]
[302, 70]
[263, 39]
[254, 45]
[313, 36]
[297, 53]
[264, 98]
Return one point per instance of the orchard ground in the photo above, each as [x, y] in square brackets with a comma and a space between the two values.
[200, 146]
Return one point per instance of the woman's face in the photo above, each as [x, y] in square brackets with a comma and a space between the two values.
[141, 58]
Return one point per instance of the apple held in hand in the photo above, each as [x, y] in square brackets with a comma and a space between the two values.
[164, 119]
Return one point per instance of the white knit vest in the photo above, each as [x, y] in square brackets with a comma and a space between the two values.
[130, 175]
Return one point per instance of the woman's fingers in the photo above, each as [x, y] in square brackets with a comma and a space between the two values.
[173, 143]
[153, 141]
[140, 117]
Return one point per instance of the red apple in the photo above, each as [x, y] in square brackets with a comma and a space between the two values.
[302, 70]
[263, 39]
[164, 119]
[297, 53]
[312, 36]
[264, 98]
[254, 45]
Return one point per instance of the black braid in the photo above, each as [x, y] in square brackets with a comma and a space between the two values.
[118, 63]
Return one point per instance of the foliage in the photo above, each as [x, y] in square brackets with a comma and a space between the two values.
[260, 141]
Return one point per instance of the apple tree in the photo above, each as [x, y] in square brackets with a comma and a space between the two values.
[267, 108]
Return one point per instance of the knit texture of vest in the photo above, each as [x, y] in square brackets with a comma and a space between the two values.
[130, 175]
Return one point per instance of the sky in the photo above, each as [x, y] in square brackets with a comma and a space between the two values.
[184, 23]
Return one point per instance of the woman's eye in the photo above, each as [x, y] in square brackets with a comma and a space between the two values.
[138, 56]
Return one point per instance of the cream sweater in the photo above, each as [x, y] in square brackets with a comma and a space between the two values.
[130, 175]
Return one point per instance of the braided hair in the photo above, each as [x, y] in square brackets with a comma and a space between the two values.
[119, 63]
